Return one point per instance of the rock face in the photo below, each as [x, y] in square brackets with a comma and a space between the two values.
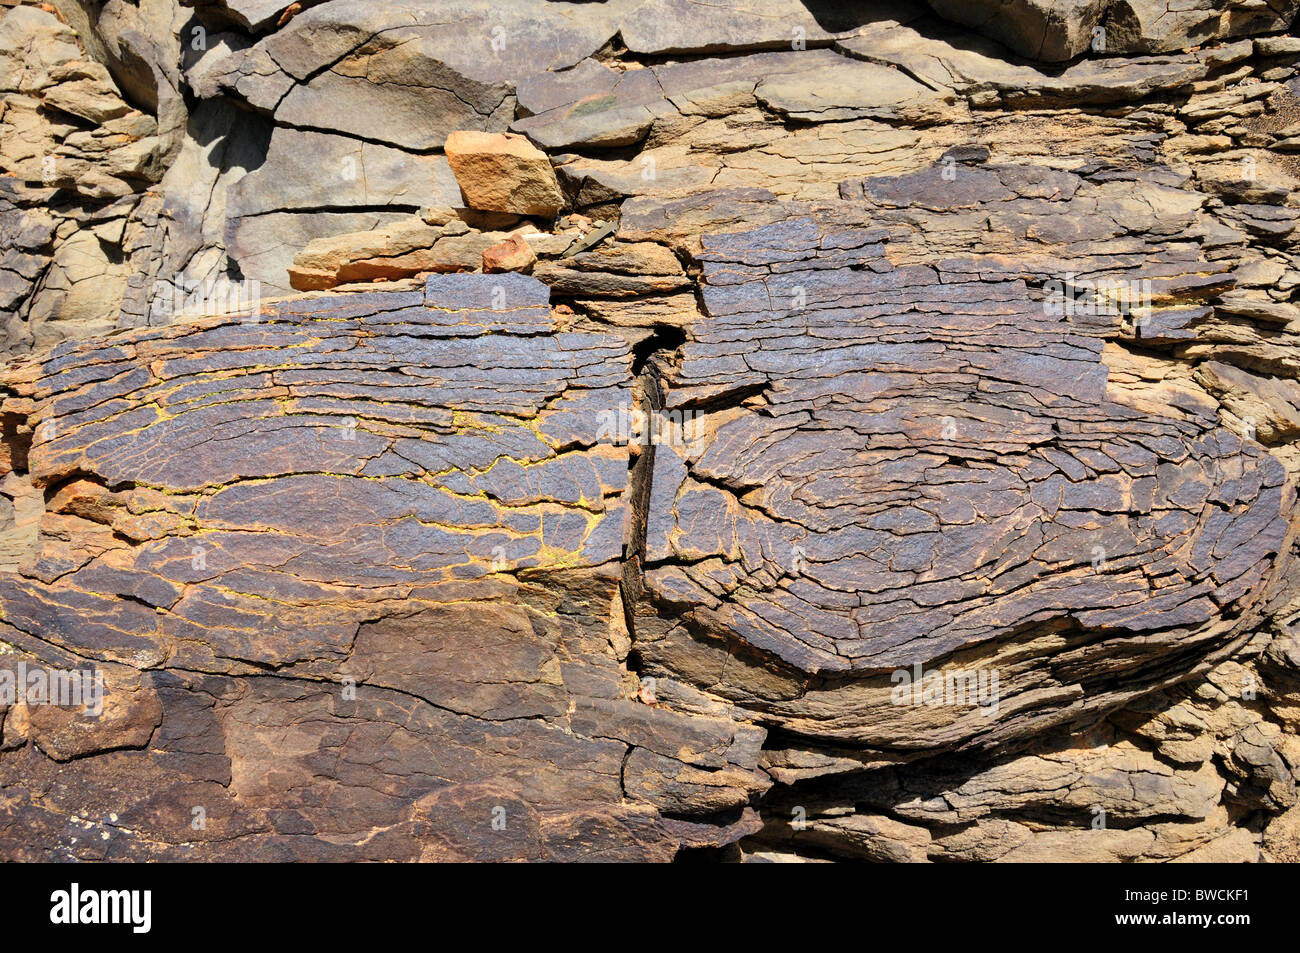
[1057, 30]
[636, 430]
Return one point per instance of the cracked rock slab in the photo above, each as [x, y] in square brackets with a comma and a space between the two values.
[906, 466]
[321, 550]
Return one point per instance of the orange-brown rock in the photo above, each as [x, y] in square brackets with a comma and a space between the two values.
[513, 254]
[503, 172]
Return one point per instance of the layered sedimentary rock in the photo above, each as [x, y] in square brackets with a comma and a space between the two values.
[633, 430]
[927, 466]
[382, 491]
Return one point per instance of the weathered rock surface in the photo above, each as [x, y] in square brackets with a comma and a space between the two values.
[888, 453]
[435, 605]
[1056, 30]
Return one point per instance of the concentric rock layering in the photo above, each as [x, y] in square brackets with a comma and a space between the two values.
[640, 430]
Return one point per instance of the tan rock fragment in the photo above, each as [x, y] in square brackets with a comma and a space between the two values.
[513, 254]
[85, 89]
[500, 172]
